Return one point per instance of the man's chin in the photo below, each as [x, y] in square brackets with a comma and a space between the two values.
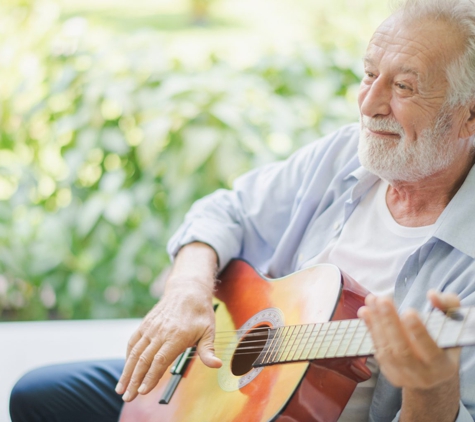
[382, 164]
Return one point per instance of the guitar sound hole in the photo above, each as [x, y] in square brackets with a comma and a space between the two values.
[248, 350]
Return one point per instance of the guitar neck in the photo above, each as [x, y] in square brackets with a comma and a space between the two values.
[350, 338]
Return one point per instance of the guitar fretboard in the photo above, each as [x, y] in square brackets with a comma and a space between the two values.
[350, 338]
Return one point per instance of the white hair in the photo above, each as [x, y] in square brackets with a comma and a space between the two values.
[461, 14]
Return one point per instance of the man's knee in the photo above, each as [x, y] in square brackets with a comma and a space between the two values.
[74, 392]
[27, 397]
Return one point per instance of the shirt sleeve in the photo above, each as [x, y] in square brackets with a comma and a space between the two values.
[252, 216]
[463, 415]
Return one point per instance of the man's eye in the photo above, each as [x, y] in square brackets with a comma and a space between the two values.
[402, 86]
[369, 74]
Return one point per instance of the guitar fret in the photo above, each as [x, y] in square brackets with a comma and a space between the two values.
[273, 348]
[288, 345]
[339, 339]
[308, 328]
[319, 329]
[346, 340]
[333, 339]
[360, 352]
[267, 347]
[468, 336]
[462, 326]
[282, 344]
[367, 347]
[292, 343]
[323, 332]
[296, 342]
[450, 332]
[434, 323]
[358, 338]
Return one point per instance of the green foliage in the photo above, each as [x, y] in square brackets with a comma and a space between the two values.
[106, 140]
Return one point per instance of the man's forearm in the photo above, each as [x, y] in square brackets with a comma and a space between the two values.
[438, 404]
[194, 263]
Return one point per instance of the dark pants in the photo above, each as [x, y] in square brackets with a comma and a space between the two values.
[75, 392]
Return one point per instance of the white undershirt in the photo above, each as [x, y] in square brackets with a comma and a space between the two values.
[372, 248]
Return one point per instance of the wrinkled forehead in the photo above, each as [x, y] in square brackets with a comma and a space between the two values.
[427, 45]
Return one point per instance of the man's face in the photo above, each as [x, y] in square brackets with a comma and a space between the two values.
[406, 133]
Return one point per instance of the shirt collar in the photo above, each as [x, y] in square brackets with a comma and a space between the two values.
[456, 224]
[365, 179]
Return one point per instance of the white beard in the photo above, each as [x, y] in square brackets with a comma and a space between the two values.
[397, 161]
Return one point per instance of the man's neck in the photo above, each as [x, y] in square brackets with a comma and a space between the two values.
[421, 203]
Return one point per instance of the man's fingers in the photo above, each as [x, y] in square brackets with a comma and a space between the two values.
[443, 301]
[160, 362]
[407, 354]
[130, 364]
[151, 366]
[136, 336]
[422, 343]
[205, 350]
[386, 327]
[152, 360]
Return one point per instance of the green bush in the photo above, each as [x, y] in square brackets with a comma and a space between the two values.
[106, 140]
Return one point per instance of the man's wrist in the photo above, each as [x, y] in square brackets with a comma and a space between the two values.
[439, 403]
[194, 270]
[195, 285]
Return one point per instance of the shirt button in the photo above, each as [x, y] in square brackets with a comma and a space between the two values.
[336, 226]
[301, 257]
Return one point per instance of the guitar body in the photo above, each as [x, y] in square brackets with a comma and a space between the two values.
[300, 391]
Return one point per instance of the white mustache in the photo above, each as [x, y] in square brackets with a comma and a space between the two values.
[383, 124]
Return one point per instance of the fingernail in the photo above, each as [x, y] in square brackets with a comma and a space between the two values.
[142, 388]
[119, 387]
[126, 396]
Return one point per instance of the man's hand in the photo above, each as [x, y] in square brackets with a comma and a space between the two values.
[184, 317]
[409, 358]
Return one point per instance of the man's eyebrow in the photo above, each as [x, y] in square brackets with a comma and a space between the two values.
[410, 70]
[403, 69]
[368, 60]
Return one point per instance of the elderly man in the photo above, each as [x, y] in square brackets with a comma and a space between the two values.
[389, 201]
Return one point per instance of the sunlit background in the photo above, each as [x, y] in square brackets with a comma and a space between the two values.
[117, 115]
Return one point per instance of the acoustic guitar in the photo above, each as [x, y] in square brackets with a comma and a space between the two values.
[292, 350]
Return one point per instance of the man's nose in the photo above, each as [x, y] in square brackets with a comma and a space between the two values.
[375, 99]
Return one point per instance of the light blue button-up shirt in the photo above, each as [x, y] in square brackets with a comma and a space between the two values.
[279, 216]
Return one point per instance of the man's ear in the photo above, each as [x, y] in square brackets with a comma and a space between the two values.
[468, 129]
[471, 120]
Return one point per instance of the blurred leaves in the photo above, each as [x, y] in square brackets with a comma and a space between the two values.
[106, 140]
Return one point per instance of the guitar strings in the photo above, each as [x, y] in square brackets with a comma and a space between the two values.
[228, 357]
[241, 342]
[298, 336]
[257, 346]
[283, 349]
[258, 330]
[288, 336]
[232, 334]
